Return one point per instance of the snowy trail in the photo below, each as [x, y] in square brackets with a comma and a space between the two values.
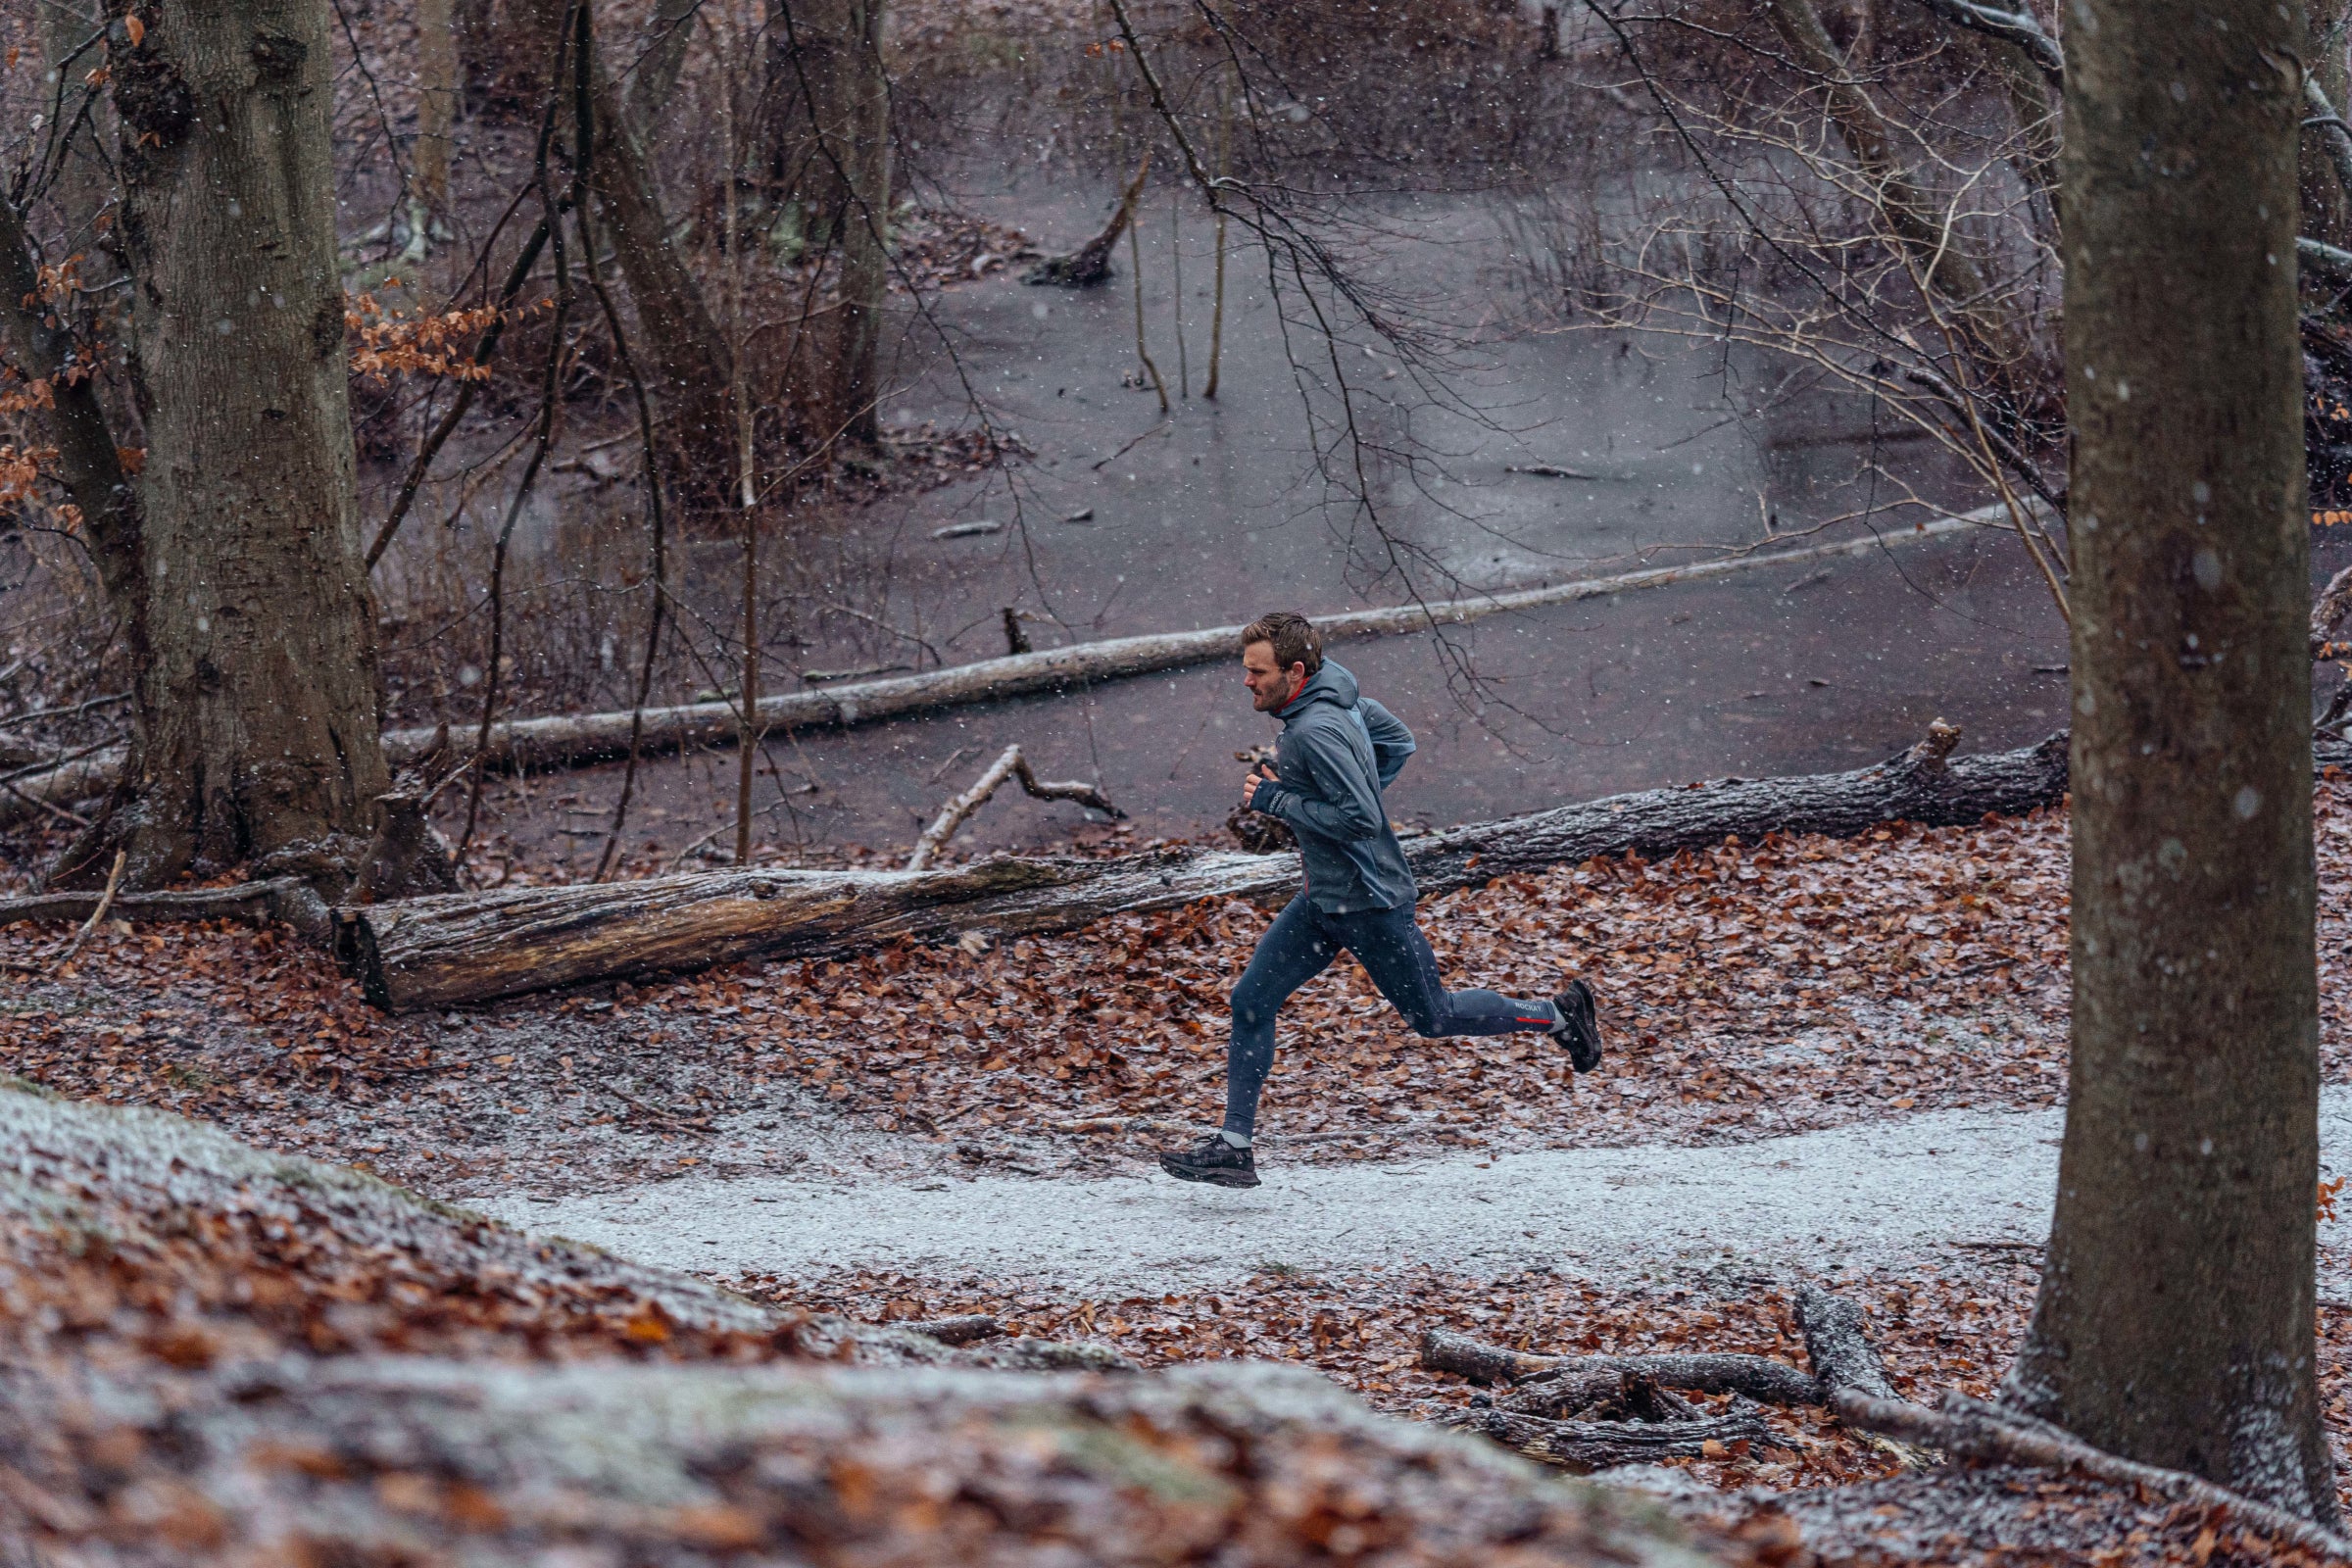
[1877, 1193]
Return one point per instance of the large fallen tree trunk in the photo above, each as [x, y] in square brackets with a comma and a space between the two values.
[572, 740]
[434, 952]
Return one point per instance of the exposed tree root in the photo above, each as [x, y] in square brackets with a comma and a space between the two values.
[1973, 1430]
[1584, 1446]
[1552, 1385]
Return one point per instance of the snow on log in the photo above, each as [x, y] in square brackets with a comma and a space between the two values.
[572, 740]
[468, 948]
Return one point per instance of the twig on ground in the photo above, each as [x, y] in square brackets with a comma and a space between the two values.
[670, 1118]
[114, 883]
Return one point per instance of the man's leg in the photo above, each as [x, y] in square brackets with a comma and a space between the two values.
[1396, 955]
[1294, 949]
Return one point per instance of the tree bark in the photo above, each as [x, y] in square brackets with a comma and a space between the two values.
[437, 92]
[258, 903]
[827, 137]
[1841, 1354]
[1992, 1436]
[1584, 1446]
[2175, 1320]
[88, 463]
[2326, 197]
[434, 952]
[850, 98]
[2034, 116]
[259, 694]
[655, 74]
[686, 353]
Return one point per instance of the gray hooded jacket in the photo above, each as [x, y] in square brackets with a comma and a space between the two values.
[1338, 750]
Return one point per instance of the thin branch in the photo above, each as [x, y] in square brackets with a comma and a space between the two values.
[1012, 764]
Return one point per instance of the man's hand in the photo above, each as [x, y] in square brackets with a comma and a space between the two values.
[1249, 782]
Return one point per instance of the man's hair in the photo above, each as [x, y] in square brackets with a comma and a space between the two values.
[1295, 638]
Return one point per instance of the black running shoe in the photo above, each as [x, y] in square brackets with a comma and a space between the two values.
[1214, 1160]
[1578, 1029]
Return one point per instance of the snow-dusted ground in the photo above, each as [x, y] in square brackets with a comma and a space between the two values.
[1879, 1193]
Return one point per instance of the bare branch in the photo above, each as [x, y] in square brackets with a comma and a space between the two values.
[1012, 764]
[2018, 27]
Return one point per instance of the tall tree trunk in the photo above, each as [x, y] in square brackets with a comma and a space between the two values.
[684, 353]
[2327, 206]
[83, 187]
[689, 362]
[654, 75]
[830, 92]
[88, 462]
[437, 92]
[259, 697]
[2175, 1320]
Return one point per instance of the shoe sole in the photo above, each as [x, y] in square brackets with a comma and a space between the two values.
[1214, 1178]
[1582, 1037]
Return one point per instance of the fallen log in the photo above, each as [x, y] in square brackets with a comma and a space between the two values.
[1090, 264]
[1841, 1354]
[1554, 1383]
[574, 740]
[1584, 1446]
[466, 947]
[257, 902]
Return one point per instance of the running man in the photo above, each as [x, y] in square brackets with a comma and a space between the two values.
[1336, 752]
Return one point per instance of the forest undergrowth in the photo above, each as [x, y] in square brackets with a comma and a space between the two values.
[1749, 991]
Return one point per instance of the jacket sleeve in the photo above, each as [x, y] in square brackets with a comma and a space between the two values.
[1346, 803]
[1392, 742]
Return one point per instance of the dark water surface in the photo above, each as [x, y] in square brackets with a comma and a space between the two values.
[1213, 514]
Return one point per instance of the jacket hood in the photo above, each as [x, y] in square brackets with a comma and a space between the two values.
[1331, 684]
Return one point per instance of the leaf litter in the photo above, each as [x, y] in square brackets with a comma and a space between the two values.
[1749, 992]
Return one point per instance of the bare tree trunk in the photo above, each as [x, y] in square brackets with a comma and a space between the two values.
[834, 72]
[437, 88]
[655, 74]
[83, 188]
[2175, 1324]
[258, 694]
[88, 458]
[690, 364]
[2327, 206]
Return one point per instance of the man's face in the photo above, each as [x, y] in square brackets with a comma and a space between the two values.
[1271, 687]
